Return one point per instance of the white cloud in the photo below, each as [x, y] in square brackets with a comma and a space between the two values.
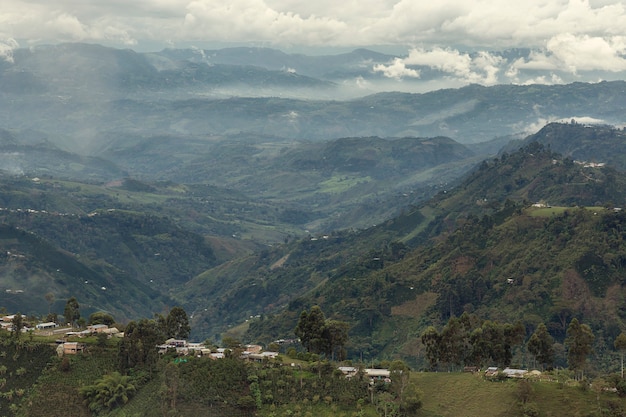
[482, 68]
[486, 24]
[573, 53]
[397, 69]
[6, 49]
[254, 20]
[567, 36]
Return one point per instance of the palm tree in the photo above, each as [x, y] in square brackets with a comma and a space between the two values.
[111, 391]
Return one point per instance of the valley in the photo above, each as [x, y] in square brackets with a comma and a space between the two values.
[392, 211]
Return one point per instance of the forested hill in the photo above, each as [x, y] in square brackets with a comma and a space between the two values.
[601, 144]
[481, 247]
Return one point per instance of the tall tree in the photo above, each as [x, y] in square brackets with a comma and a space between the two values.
[138, 348]
[17, 324]
[310, 329]
[432, 343]
[71, 311]
[540, 345]
[579, 343]
[177, 324]
[336, 335]
[620, 345]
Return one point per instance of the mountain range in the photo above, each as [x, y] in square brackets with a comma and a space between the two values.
[134, 183]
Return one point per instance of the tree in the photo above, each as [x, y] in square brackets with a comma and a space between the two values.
[71, 311]
[431, 341]
[310, 329]
[579, 342]
[138, 347]
[100, 317]
[319, 335]
[111, 391]
[620, 345]
[540, 345]
[177, 324]
[17, 324]
[335, 333]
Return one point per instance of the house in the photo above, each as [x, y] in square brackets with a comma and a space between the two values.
[514, 373]
[259, 357]
[253, 349]
[8, 319]
[47, 325]
[97, 328]
[72, 348]
[491, 371]
[176, 343]
[378, 375]
[348, 371]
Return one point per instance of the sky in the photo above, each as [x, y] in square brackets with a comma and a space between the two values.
[565, 36]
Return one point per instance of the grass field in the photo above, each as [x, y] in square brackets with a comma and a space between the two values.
[469, 395]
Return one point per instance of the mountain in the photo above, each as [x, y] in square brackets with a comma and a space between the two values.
[79, 94]
[34, 153]
[313, 181]
[581, 142]
[478, 247]
[337, 68]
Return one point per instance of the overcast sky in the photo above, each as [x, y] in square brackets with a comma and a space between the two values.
[566, 35]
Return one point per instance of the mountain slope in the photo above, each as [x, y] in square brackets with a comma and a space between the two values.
[598, 144]
[75, 92]
[498, 258]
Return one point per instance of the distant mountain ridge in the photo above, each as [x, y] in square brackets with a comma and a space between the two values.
[75, 92]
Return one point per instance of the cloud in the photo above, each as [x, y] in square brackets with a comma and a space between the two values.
[568, 38]
[397, 69]
[571, 53]
[482, 67]
[6, 49]
[249, 20]
[482, 24]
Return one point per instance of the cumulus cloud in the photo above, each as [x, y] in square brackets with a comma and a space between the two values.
[570, 36]
[397, 69]
[6, 49]
[254, 20]
[482, 67]
[571, 53]
[487, 24]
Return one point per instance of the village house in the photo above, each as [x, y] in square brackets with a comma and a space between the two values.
[46, 326]
[260, 357]
[514, 373]
[348, 371]
[70, 348]
[376, 375]
[491, 371]
[97, 328]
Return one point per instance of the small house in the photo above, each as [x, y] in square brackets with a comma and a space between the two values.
[491, 371]
[514, 373]
[97, 328]
[72, 348]
[47, 325]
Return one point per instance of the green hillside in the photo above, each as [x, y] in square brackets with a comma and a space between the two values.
[34, 381]
[479, 248]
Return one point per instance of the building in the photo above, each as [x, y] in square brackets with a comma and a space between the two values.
[47, 325]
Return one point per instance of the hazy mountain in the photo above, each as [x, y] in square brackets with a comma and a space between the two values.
[585, 143]
[77, 93]
[479, 247]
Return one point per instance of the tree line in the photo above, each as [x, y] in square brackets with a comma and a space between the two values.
[469, 341]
